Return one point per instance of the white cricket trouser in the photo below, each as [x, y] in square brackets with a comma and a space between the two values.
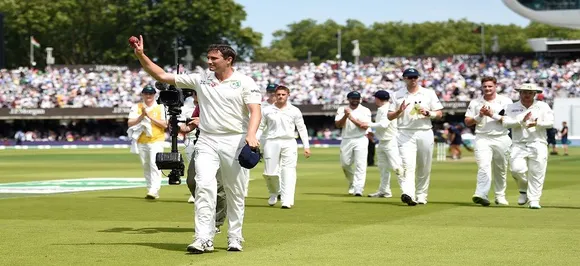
[528, 166]
[189, 147]
[353, 154]
[416, 149]
[246, 173]
[272, 181]
[212, 153]
[280, 157]
[491, 154]
[388, 159]
[147, 153]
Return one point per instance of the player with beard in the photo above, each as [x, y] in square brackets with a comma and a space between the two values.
[353, 120]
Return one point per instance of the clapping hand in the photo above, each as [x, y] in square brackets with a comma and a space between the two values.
[144, 112]
[533, 123]
[486, 111]
[402, 107]
[347, 112]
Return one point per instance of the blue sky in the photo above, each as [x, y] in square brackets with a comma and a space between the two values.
[267, 16]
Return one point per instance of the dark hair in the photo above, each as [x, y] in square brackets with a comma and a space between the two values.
[283, 88]
[489, 78]
[226, 50]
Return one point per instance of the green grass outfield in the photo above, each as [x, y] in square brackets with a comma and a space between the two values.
[326, 226]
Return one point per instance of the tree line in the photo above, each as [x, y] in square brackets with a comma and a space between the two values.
[96, 32]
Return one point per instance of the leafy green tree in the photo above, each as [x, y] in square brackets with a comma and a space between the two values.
[96, 31]
[406, 39]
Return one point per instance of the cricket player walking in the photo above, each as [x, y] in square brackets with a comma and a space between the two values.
[414, 108]
[273, 180]
[279, 122]
[354, 120]
[147, 120]
[492, 143]
[230, 114]
[388, 150]
[529, 120]
[191, 173]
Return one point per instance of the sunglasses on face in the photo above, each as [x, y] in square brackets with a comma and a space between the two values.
[410, 78]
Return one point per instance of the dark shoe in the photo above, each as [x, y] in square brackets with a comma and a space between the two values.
[480, 200]
[407, 199]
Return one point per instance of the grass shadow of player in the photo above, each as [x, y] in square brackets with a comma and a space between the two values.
[147, 230]
[334, 195]
[177, 247]
[385, 202]
[143, 199]
[258, 206]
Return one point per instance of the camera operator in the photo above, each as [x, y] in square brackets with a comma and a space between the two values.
[190, 136]
[147, 129]
[231, 114]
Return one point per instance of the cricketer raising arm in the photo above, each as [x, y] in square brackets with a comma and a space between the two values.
[415, 136]
[492, 143]
[231, 114]
[279, 122]
[353, 120]
[529, 120]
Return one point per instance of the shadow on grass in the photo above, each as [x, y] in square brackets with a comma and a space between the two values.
[259, 206]
[393, 203]
[181, 247]
[336, 195]
[144, 199]
[260, 198]
[147, 230]
[460, 204]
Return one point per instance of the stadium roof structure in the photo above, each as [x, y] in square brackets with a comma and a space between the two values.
[563, 13]
[554, 46]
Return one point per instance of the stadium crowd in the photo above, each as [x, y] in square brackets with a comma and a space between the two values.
[456, 78]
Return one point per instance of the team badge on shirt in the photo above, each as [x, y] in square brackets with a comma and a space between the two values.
[235, 84]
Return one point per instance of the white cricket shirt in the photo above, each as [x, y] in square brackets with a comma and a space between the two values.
[385, 129]
[350, 130]
[222, 105]
[281, 123]
[266, 104]
[411, 117]
[488, 126]
[516, 112]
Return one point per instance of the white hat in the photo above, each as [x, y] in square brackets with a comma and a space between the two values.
[529, 87]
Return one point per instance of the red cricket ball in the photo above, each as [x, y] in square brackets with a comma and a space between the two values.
[133, 41]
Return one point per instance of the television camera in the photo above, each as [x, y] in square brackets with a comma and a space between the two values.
[173, 99]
